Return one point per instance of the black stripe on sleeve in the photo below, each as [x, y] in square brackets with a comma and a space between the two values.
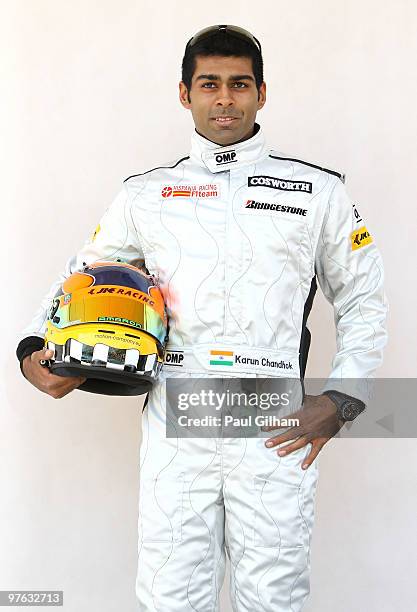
[157, 168]
[300, 161]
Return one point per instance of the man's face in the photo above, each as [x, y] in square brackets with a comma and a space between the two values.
[223, 87]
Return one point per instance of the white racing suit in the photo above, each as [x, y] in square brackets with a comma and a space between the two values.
[237, 237]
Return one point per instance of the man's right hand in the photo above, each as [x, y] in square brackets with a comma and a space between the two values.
[44, 380]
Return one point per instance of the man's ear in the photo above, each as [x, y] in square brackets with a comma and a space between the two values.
[184, 95]
[261, 95]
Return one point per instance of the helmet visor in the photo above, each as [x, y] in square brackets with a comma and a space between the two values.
[111, 304]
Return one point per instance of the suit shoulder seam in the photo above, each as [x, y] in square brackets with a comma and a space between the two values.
[340, 175]
[157, 168]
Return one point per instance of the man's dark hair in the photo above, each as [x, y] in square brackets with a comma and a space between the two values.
[224, 44]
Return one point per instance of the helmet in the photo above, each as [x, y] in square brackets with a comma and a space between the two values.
[108, 323]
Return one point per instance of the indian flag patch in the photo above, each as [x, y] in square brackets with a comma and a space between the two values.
[222, 358]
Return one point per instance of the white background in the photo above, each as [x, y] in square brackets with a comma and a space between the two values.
[90, 96]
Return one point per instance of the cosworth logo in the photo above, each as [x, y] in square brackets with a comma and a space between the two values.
[227, 157]
[277, 183]
[230, 358]
[208, 190]
[293, 210]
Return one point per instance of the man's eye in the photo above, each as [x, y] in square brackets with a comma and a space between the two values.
[235, 83]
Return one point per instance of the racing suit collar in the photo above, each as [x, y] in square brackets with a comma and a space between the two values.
[218, 159]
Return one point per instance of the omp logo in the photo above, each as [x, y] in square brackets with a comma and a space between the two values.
[360, 238]
[356, 214]
[174, 358]
[227, 157]
[294, 210]
[277, 183]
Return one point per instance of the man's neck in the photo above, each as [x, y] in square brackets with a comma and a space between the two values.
[229, 144]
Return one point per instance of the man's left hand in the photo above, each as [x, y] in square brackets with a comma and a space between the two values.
[318, 423]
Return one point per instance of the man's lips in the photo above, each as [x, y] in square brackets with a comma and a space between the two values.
[224, 120]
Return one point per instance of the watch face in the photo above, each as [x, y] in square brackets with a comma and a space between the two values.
[349, 411]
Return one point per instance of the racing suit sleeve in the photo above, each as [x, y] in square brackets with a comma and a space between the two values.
[115, 239]
[350, 273]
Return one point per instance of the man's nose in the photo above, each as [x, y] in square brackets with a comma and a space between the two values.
[224, 97]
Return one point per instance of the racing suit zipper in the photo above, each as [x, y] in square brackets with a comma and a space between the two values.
[226, 237]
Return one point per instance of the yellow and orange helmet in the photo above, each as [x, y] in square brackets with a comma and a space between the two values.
[108, 323]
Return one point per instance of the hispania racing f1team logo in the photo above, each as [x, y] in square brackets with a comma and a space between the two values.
[208, 190]
[360, 238]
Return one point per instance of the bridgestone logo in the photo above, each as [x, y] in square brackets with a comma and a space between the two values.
[277, 183]
[278, 207]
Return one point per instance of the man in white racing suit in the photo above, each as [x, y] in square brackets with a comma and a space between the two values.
[237, 234]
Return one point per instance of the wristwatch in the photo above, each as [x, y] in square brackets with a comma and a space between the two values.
[348, 407]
